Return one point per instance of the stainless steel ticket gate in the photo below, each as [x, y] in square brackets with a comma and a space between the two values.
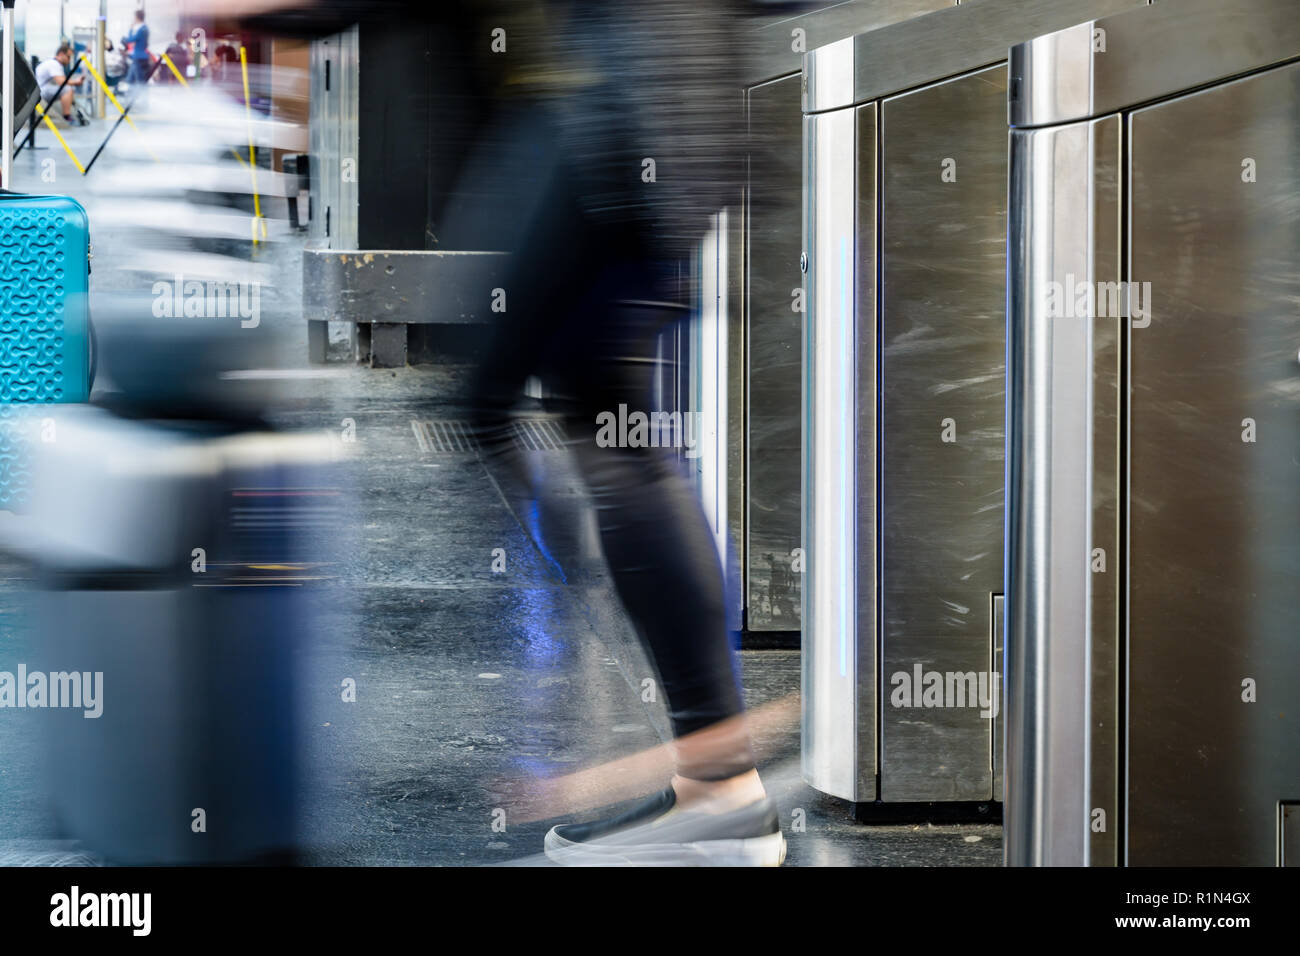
[1153, 688]
[905, 205]
[760, 304]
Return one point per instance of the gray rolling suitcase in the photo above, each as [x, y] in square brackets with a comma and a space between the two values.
[182, 547]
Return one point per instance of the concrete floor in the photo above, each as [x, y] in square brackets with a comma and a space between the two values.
[465, 679]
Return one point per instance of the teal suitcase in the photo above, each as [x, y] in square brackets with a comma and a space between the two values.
[46, 342]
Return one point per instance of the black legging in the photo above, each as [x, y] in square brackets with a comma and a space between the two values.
[580, 314]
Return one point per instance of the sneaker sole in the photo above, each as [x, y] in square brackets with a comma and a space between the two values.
[755, 851]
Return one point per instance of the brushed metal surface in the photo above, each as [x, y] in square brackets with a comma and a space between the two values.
[943, 355]
[1214, 521]
[323, 142]
[345, 234]
[771, 422]
[1150, 53]
[733, 431]
[764, 427]
[1289, 838]
[776, 46]
[1051, 77]
[828, 77]
[948, 267]
[708, 377]
[954, 41]
[999, 731]
[866, 437]
[1106, 549]
[335, 131]
[838, 474]
[1053, 370]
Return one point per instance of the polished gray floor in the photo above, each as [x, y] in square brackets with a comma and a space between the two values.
[428, 620]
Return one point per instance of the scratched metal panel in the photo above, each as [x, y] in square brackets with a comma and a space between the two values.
[943, 341]
[1149, 53]
[1105, 548]
[334, 135]
[956, 41]
[1214, 512]
[999, 632]
[776, 46]
[344, 233]
[324, 126]
[772, 426]
[1289, 839]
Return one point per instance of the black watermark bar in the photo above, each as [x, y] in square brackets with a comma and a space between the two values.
[333, 905]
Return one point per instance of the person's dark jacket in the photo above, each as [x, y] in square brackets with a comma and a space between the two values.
[179, 54]
[139, 35]
[631, 81]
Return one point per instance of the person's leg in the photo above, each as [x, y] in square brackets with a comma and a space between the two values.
[657, 542]
[660, 550]
[663, 559]
[65, 101]
[48, 98]
[562, 319]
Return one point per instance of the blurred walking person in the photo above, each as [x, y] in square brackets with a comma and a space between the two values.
[615, 133]
[623, 136]
[50, 76]
[138, 41]
[178, 51]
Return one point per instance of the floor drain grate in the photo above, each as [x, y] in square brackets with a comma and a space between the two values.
[444, 437]
[457, 437]
[539, 434]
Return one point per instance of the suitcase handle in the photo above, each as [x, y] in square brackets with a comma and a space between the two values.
[7, 96]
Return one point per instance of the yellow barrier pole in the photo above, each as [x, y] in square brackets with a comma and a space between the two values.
[252, 150]
[175, 72]
[108, 91]
[59, 136]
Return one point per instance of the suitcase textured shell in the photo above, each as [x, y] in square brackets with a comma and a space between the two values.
[44, 307]
[44, 318]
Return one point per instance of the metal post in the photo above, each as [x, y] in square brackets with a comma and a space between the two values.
[101, 62]
[7, 78]
[35, 120]
[37, 115]
[198, 46]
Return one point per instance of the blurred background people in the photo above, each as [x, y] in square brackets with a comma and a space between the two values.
[225, 63]
[115, 65]
[50, 76]
[137, 44]
[178, 51]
